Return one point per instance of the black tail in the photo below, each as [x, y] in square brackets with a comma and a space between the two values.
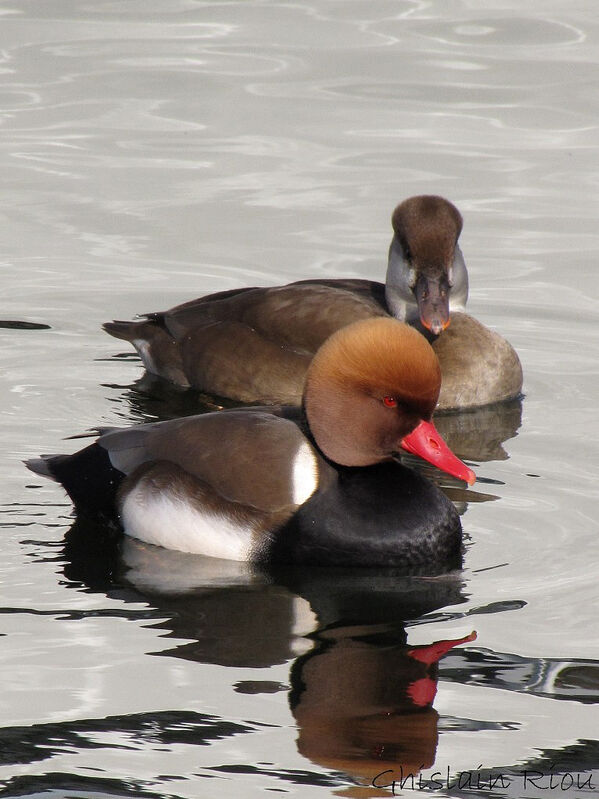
[88, 477]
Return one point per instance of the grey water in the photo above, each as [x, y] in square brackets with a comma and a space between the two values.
[153, 151]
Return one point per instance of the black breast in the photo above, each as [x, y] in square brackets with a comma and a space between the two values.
[384, 515]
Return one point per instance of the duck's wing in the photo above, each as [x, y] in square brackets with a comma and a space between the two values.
[232, 359]
[299, 315]
[260, 346]
[371, 290]
[250, 457]
[220, 484]
[249, 344]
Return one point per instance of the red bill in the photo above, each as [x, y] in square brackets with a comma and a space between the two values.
[426, 442]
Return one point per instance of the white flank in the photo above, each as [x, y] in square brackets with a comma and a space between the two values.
[304, 474]
[168, 522]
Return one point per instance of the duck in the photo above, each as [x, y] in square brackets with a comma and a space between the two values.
[318, 484]
[254, 344]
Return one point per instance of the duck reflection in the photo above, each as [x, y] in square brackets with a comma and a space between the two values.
[476, 435]
[364, 703]
[361, 696]
[479, 434]
[152, 399]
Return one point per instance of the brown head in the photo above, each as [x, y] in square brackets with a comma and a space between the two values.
[369, 385]
[425, 263]
[428, 228]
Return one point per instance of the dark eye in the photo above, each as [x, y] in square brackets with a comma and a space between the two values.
[390, 402]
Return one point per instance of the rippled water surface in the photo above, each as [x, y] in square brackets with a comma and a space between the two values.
[155, 150]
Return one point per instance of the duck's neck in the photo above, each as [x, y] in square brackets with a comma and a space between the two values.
[399, 281]
[401, 278]
[459, 282]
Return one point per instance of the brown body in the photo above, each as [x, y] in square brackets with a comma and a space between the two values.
[255, 344]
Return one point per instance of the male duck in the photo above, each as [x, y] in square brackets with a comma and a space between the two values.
[318, 484]
[255, 344]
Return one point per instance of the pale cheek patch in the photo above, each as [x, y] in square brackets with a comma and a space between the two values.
[304, 474]
[163, 519]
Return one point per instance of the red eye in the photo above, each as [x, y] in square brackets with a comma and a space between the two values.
[390, 402]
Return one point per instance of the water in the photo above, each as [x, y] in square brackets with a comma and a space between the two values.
[154, 151]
